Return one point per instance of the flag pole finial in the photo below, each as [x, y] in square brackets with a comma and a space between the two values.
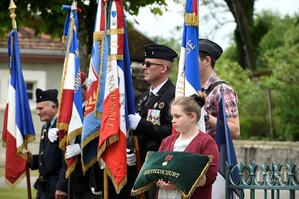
[12, 7]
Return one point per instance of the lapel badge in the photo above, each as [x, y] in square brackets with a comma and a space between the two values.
[161, 105]
[155, 105]
[167, 159]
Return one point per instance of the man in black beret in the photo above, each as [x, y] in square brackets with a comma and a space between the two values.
[50, 160]
[209, 52]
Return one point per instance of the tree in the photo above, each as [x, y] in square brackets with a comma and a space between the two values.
[48, 17]
[283, 81]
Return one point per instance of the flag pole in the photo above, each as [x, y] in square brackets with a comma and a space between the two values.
[28, 173]
[105, 184]
[138, 160]
[12, 7]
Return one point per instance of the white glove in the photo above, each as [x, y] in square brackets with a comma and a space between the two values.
[99, 193]
[52, 134]
[131, 158]
[72, 150]
[134, 120]
[102, 164]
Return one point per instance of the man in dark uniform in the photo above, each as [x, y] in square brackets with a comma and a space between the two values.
[152, 121]
[51, 182]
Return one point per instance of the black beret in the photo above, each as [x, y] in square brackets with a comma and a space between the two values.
[210, 47]
[159, 52]
[47, 95]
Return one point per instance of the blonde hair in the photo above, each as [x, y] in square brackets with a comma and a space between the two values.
[191, 104]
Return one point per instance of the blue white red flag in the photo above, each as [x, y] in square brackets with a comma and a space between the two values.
[18, 129]
[70, 112]
[118, 99]
[188, 80]
[227, 153]
[95, 93]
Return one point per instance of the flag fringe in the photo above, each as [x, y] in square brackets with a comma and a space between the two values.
[63, 126]
[87, 140]
[107, 143]
[121, 184]
[73, 134]
[99, 35]
[13, 185]
[89, 164]
[115, 57]
[115, 31]
[191, 19]
[195, 185]
[141, 189]
[62, 143]
[91, 137]
[71, 168]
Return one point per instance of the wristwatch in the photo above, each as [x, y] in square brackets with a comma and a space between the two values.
[207, 117]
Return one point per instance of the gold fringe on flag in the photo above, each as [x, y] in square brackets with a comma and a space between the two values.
[191, 19]
[115, 31]
[98, 35]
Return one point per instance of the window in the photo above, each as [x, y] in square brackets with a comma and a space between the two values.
[30, 90]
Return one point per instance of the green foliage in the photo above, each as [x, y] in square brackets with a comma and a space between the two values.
[251, 100]
[284, 62]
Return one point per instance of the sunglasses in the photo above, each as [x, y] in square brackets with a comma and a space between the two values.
[148, 64]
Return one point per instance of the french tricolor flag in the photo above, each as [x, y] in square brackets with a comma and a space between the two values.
[70, 113]
[188, 80]
[18, 127]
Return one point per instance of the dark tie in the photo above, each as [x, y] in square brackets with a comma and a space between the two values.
[48, 126]
[150, 96]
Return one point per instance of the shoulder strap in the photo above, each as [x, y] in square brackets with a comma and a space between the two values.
[212, 86]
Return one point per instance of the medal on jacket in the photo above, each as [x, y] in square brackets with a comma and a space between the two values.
[167, 159]
[43, 134]
[153, 116]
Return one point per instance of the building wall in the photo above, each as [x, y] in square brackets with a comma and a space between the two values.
[42, 75]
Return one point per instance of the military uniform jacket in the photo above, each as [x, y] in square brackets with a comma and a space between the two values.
[50, 160]
[155, 123]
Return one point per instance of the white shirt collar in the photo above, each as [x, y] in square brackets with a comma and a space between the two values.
[156, 90]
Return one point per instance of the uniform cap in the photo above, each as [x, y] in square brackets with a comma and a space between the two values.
[210, 47]
[160, 52]
[46, 95]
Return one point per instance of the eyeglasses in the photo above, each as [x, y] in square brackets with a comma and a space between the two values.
[148, 64]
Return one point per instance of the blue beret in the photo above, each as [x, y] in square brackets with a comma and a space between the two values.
[47, 95]
[159, 52]
[210, 47]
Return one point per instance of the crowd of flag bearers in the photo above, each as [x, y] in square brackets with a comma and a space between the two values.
[96, 135]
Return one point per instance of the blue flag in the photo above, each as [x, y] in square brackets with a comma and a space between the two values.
[95, 93]
[227, 152]
[188, 80]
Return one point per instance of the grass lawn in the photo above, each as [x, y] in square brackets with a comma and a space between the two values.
[17, 193]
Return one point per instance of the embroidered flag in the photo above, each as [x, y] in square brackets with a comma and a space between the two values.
[95, 93]
[18, 127]
[188, 80]
[227, 153]
[70, 112]
[118, 100]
